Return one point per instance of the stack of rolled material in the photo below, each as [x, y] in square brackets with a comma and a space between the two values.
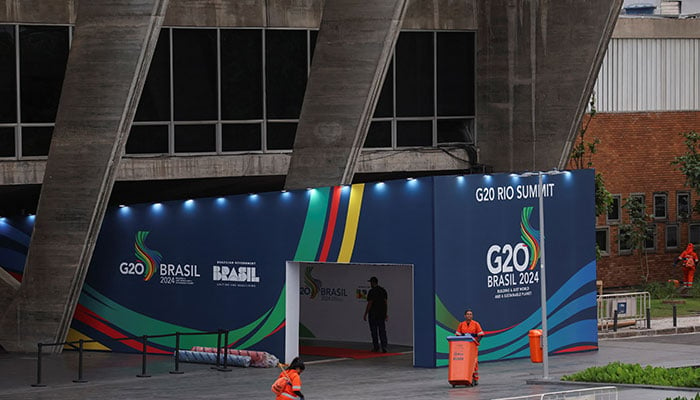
[210, 358]
[259, 359]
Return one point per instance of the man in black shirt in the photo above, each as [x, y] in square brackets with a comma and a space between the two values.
[377, 300]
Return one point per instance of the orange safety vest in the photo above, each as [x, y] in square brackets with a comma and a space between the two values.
[472, 327]
[288, 393]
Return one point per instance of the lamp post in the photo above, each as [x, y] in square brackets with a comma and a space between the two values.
[543, 280]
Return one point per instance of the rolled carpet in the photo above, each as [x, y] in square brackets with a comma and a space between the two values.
[210, 358]
[258, 359]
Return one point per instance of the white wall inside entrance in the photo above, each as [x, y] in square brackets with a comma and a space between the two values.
[291, 337]
[332, 300]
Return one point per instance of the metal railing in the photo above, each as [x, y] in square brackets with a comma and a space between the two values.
[596, 393]
[221, 353]
[623, 309]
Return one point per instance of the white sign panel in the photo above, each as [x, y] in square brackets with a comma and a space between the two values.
[333, 298]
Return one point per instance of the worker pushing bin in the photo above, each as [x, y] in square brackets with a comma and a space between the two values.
[463, 351]
[535, 345]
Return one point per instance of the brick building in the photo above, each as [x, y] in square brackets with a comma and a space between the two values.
[634, 156]
[647, 94]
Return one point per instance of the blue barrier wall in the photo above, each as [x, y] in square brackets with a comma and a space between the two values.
[205, 264]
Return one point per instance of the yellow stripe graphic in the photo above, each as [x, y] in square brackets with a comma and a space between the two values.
[74, 336]
[351, 222]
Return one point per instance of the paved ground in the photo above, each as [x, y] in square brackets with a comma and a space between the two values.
[113, 376]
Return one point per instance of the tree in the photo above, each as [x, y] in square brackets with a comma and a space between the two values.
[638, 232]
[582, 157]
[689, 163]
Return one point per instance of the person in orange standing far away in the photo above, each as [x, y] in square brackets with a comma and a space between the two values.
[292, 391]
[473, 328]
[689, 259]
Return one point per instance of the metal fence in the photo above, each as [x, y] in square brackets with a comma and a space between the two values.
[623, 309]
[597, 393]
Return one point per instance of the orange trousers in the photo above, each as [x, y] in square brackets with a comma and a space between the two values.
[688, 276]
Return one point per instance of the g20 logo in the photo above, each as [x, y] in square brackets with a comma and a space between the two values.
[131, 268]
[504, 259]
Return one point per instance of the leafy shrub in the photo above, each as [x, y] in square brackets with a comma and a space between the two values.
[617, 372]
[697, 397]
[660, 290]
[695, 290]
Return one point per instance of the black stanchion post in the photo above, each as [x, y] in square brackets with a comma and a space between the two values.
[218, 350]
[615, 321]
[648, 318]
[674, 315]
[38, 367]
[225, 363]
[143, 373]
[177, 355]
[80, 363]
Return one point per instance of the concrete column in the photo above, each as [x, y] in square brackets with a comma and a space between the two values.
[8, 287]
[107, 66]
[537, 62]
[352, 54]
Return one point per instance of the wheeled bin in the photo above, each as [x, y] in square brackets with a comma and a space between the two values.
[460, 367]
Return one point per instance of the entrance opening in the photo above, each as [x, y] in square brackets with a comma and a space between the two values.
[327, 301]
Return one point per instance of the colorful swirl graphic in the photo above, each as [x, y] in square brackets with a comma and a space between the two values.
[150, 258]
[313, 284]
[530, 236]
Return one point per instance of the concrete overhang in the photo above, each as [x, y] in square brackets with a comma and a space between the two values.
[31, 172]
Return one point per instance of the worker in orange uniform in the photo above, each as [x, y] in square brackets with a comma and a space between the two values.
[689, 259]
[292, 391]
[473, 328]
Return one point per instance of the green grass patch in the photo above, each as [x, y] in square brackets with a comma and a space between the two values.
[689, 307]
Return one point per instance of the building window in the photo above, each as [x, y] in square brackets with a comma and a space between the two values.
[650, 240]
[614, 212]
[683, 202]
[154, 103]
[36, 140]
[195, 138]
[286, 71]
[640, 212]
[43, 57]
[148, 139]
[672, 237]
[660, 206]
[415, 74]
[602, 239]
[241, 75]
[624, 240]
[7, 142]
[694, 234]
[241, 137]
[379, 135]
[8, 83]
[280, 136]
[455, 73]
[195, 93]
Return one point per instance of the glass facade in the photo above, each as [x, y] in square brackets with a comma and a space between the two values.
[225, 90]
